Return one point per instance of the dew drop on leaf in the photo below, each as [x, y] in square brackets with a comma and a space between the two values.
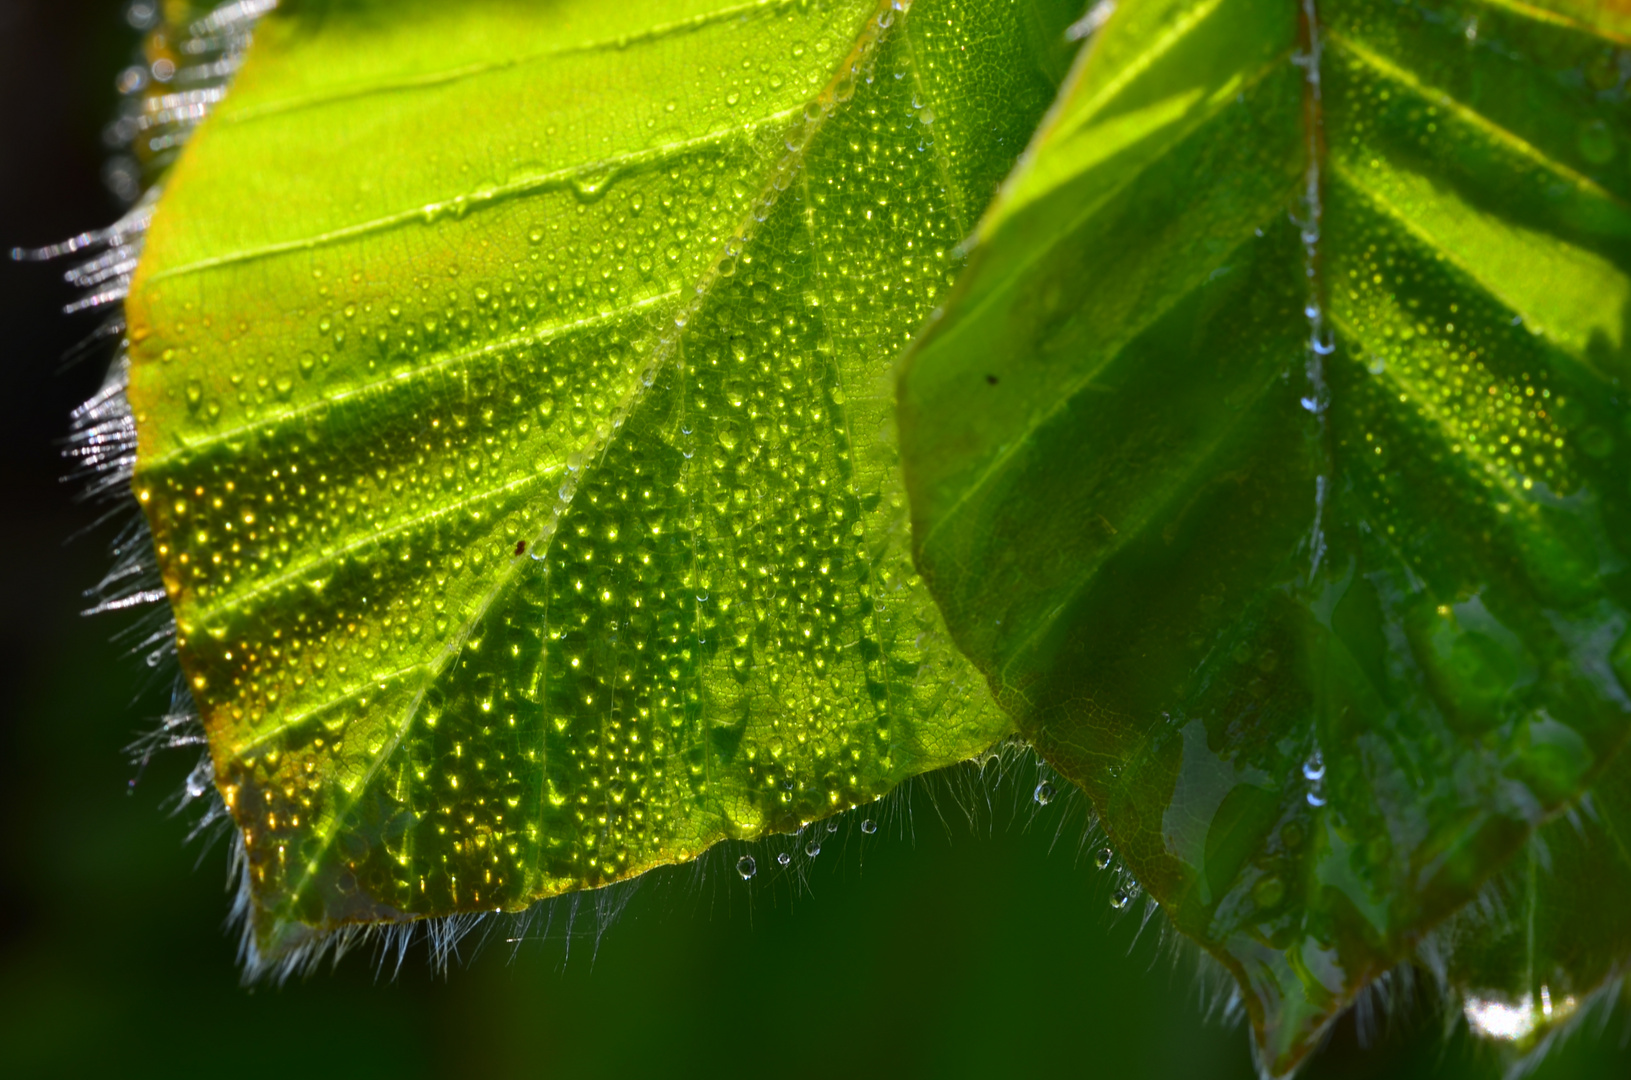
[564, 496]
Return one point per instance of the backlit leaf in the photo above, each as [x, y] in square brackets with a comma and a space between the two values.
[516, 432]
[1271, 460]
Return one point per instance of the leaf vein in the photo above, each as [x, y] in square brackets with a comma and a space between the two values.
[401, 378]
[470, 71]
[531, 185]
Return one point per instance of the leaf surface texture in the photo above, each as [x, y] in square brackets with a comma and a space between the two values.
[516, 431]
[1271, 460]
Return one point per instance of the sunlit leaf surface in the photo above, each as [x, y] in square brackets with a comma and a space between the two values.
[1271, 459]
[517, 435]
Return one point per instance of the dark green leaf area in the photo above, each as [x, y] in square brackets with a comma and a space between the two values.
[1550, 931]
[1296, 529]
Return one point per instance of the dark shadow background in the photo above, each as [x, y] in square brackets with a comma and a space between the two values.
[964, 952]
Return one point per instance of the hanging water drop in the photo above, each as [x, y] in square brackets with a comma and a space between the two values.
[832, 825]
[812, 849]
[783, 859]
[869, 826]
[1043, 794]
[1103, 859]
[1120, 899]
[746, 867]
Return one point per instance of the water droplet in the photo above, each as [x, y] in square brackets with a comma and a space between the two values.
[1120, 899]
[832, 825]
[784, 858]
[813, 848]
[1314, 767]
[869, 826]
[591, 187]
[1103, 859]
[1043, 794]
[746, 867]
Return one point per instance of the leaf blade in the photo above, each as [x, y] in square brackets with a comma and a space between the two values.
[546, 523]
[1275, 556]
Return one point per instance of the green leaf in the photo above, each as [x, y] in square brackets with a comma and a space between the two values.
[1549, 934]
[1270, 458]
[512, 387]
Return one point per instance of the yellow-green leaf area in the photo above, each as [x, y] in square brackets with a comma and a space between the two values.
[1270, 459]
[516, 430]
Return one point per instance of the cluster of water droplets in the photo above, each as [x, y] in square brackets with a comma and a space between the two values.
[1124, 888]
[539, 565]
[1314, 773]
[1320, 341]
[747, 867]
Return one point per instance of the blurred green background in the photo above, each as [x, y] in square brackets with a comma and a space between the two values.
[935, 948]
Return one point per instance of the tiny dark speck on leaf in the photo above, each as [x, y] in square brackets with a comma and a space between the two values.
[992, 379]
[520, 547]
